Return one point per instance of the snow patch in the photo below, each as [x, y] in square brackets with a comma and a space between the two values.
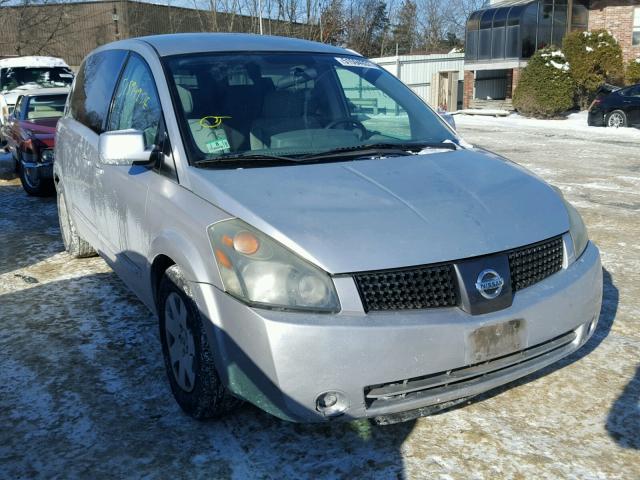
[560, 66]
[575, 123]
[32, 62]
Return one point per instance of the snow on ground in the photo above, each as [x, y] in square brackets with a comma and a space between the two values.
[575, 123]
[83, 390]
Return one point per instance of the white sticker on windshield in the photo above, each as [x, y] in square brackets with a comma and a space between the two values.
[355, 62]
[220, 145]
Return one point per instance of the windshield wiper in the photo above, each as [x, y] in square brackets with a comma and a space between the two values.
[384, 149]
[355, 151]
[246, 159]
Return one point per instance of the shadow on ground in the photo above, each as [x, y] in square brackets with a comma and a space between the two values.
[623, 421]
[29, 230]
[84, 392]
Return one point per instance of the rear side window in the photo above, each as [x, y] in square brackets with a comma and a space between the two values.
[46, 106]
[94, 87]
[18, 107]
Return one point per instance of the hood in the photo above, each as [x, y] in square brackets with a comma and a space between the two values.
[389, 213]
[11, 96]
[40, 126]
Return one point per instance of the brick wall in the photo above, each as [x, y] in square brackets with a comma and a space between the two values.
[515, 79]
[72, 29]
[469, 80]
[616, 16]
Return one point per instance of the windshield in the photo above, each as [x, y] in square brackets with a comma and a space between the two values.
[14, 77]
[46, 106]
[294, 105]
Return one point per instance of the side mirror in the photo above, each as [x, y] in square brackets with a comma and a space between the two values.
[124, 147]
[447, 117]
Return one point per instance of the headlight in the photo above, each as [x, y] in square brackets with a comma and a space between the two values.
[47, 156]
[577, 230]
[259, 271]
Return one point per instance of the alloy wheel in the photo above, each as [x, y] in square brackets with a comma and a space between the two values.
[180, 342]
[616, 120]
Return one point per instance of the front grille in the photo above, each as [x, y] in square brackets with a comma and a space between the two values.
[533, 263]
[413, 288]
[448, 385]
[434, 286]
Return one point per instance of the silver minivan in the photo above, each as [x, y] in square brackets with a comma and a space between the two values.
[313, 238]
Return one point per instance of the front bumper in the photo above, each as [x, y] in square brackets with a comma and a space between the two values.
[596, 118]
[281, 361]
[41, 170]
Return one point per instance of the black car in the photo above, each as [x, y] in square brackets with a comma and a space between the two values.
[616, 107]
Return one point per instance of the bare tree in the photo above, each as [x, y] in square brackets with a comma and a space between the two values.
[458, 13]
[40, 26]
[332, 23]
[405, 31]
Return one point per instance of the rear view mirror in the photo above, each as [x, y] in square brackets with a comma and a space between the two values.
[447, 117]
[124, 147]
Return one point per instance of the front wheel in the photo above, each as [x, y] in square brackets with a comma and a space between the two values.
[32, 183]
[74, 244]
[617, 119]
[188, 358]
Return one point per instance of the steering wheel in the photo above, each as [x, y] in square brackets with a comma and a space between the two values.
[350, 121]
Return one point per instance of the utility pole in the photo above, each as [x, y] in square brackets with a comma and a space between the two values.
[260, 15]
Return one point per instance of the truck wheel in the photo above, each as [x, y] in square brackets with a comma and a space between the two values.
[188, 358]
[16, 163]
[33, 184]
[617, 119]
[74, 244]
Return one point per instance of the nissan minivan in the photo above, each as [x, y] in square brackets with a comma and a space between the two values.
[314, 238]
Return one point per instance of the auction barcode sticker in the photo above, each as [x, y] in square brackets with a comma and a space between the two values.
[355, 62]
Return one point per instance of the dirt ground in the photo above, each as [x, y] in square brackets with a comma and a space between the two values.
[83, 391]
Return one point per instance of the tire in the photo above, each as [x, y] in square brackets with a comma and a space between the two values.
[32, 184]
[616, 119]
[74, 244]
[200, 392]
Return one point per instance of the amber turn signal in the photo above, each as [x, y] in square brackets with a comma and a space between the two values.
[222, 258]
[246, 243]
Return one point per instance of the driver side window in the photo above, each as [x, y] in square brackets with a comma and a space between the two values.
[17, 108]
[377, 111]
[136, 104]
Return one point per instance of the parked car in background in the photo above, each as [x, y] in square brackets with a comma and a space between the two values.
[30, 132]
[616, 107]
[19, 74]
[304, 253]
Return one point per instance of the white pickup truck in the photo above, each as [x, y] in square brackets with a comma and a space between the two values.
[18, 74]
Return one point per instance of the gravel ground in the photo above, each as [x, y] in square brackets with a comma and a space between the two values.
[83, 390]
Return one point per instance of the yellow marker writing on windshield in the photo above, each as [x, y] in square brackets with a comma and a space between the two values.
[212, 121]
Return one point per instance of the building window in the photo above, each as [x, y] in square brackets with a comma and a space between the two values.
[559, 22]
[636, 26]
[471, 45]
[499, 23]
[484, 48]
[580, 15]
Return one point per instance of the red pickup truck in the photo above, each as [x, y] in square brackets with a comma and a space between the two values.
[30, 132]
